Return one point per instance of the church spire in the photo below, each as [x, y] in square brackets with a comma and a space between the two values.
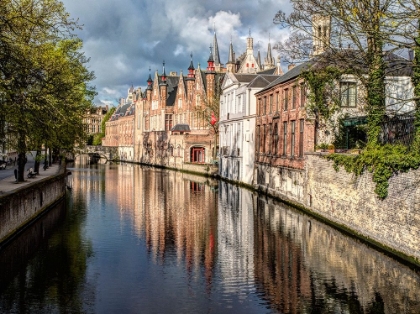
[269, 60]
[230, 65]
[216, 49]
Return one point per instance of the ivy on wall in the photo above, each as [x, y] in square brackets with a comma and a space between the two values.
[382, 160]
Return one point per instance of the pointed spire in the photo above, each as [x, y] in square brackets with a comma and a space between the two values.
[269, 60]
[259, 58]
[164, 73]
[191, 69]
[149, 80]
[216, 50]
[231, 57]
[210, 61]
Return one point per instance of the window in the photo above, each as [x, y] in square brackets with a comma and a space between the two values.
[275, 139]
[302, 95]
[168, 122]
[294, 96]
[284, 138]
[277, 101]
[285, 99]
[258, 140]
[264, 105]
[292, 139]
[197, 154]
[263, 144]
[301, 127]
[348, 94]
[270, 103]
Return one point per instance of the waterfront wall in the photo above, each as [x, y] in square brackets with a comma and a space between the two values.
[21, 206]
[350, 202]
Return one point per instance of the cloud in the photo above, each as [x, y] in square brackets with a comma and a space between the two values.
[124, 38]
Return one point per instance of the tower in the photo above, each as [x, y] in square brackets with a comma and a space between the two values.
[321, 33]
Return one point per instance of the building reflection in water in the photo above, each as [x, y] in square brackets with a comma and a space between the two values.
[177, 216]
[302, 265]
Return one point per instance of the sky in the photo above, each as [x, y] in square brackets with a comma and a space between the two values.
[126, 38]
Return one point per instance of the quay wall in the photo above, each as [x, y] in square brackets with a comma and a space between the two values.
[21, 206]
[350, 203]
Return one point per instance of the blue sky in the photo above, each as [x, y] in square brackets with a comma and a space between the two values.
[124, 38]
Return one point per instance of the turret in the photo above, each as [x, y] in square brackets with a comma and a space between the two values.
[163, 87]
[210, 76]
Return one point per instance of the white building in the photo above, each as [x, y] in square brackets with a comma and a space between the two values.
[237, 124]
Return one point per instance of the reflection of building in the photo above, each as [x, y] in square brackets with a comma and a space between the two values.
[169, 213]
[236, 236]
[304, 266]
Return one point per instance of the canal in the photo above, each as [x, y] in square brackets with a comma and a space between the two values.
[133, 239]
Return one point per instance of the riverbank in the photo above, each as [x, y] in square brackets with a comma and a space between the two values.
[23, 202]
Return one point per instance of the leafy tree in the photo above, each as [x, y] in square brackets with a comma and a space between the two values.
[43, 77]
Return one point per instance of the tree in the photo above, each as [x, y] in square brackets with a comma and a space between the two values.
[43, 77]
[337, 25]
[364, 39]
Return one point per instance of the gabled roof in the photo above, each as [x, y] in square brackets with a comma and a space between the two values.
[261, 81]
[292, 74]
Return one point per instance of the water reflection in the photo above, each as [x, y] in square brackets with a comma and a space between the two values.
[304, 266]
[137, 239]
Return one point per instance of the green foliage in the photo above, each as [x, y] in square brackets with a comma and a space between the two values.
[97, 139]
[383, 161]
[43, 76]
[321, 84]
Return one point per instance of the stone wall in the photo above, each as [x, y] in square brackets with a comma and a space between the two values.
[350, 201]
[282, 182]
[23, 205]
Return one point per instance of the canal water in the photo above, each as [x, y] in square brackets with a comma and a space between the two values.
[133, 239]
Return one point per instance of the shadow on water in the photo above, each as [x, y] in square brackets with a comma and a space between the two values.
[44, 264]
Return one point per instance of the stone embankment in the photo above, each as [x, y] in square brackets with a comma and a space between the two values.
[22, 203]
